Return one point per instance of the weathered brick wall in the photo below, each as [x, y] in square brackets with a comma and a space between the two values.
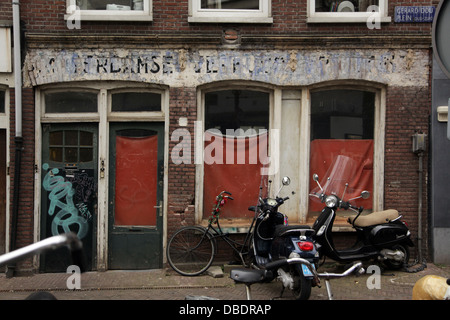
[171, 16]
[407, 113]
[25, 218]
[181, 188]
[407, 108]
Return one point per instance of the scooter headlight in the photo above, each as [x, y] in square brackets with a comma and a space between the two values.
[331, 201]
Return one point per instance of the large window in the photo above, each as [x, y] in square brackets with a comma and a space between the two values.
[342, 133]
[126, 10]
[348, 11]
[235, 150]
[239, 11]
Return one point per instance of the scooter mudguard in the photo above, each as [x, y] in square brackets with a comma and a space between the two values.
[388, 234]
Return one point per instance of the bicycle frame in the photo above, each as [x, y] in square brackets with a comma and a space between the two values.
[237, 247]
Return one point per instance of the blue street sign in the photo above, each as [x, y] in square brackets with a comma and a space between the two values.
[414, 14]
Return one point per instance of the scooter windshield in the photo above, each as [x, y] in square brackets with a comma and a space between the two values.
[338, 178]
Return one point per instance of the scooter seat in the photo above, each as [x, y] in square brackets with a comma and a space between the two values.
[374, 218]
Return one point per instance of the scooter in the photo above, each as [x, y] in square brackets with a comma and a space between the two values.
[380, 235]
[274, 240]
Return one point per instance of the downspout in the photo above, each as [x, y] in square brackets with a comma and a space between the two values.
[18, 136]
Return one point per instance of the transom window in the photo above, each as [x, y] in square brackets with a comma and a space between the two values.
[136, 102]
[367, 11]
[126, 10]
[240, 11]
[70, 102]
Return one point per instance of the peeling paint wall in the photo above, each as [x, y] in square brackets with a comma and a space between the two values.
[182, 68]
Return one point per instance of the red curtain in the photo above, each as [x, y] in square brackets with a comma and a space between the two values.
[136, 181]
[324, 154]
[238, 171]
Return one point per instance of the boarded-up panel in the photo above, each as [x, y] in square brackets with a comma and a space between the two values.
[136, 181]
[238, 172]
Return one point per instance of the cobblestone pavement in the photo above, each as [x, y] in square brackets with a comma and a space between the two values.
[165, 284]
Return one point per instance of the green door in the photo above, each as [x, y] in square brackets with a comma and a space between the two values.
[69, 189]
[136, 170]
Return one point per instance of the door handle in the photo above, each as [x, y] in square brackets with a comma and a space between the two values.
[159, 208]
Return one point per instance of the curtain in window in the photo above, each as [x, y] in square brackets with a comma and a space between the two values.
[324, 153]
[238, 171]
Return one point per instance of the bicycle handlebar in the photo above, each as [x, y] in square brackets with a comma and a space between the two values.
[70, 239]
[278, 263]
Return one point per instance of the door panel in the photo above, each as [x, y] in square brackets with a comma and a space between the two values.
[2, 190]
[136, 170]
[136, 181]
[69, 190]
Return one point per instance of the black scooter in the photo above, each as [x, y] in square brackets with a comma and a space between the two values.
[274, 240]
[380, 235]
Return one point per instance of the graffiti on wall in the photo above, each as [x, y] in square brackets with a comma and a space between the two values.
[69, 200]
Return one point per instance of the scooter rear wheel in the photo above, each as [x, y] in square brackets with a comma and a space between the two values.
[302, 287]
[397, 265]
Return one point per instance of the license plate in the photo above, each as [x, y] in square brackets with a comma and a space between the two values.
[306, 271]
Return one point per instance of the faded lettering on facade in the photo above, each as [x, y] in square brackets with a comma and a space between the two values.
[191, 68]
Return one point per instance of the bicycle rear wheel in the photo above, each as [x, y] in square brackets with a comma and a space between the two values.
[191, 250]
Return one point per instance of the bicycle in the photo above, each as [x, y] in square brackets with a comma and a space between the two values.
[191, 249]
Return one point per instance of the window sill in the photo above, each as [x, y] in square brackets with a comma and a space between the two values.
[106, 16]
[211, 19]
[346, 19]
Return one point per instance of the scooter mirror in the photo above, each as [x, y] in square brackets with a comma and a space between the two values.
[365, 194]
[286, 181]
[316, 177]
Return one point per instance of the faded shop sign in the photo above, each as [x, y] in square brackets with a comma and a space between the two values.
[180, 68]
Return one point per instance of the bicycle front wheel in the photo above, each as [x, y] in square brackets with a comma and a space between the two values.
[191, 250]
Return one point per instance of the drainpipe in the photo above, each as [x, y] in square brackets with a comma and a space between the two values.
[419, 148]
[18, 136]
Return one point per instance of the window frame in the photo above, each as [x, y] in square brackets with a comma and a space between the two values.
[109, 15]
[345, 17]
[378, 138]
[199, 145]
[263, 15]
[121, 115]
[69, 116]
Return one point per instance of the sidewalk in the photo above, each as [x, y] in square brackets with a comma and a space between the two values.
[165, 284]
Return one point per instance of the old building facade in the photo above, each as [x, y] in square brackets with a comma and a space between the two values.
[118, 103]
